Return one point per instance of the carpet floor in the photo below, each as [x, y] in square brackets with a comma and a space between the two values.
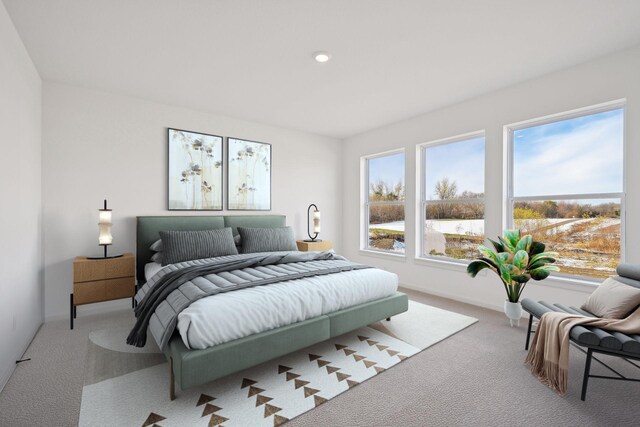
[475, 378]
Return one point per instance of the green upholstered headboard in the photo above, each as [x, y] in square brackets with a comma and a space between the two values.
[148, 230]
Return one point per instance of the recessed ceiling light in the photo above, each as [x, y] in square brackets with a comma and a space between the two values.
[322, 56]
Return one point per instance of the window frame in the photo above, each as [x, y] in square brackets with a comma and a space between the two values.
[366, 203]
[510, 199]
[421, 150]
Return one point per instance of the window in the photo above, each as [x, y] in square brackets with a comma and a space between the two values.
[566, 187]
[452, 197]
[384, 202]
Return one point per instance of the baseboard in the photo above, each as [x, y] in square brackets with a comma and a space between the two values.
[452, 296]
[7, 374]
[90, 309]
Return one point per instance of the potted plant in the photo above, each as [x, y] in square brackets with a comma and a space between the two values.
[516, 260]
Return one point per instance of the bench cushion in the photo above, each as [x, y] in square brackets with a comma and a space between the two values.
[587, 336]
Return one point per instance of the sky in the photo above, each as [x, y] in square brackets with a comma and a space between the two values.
[389, 169]
[462, 162]
[575, 156]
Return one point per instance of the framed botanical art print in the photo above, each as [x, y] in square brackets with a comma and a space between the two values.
[195, 171]
[248, 175]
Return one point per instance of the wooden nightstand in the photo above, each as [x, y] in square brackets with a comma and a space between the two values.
[319, 245]
[98, 280]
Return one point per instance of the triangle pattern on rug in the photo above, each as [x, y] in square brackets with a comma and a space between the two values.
[371, 342]
[261, 400]
[352, 383]
[152, 419]
[318, 400]
[246, 382]
[401, 357]
[299, 383]
[282, 369]
[341, 376]
[361, 338]
[348, 352]
[382, 347]
[291, 376]
[279, 420]
[313, 357]
[392, 352]
[254, 390]
[216, 420]
[358, 358]
[379, 369]
[331, 369]
[209, 409]
[368, 363]
[308, 391]
[340, 346]
[322, 363]
[270, 410]
[204, 398]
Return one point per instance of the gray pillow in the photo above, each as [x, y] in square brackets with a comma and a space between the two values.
[612, 300]
[181, 246]
[157, 246]
[267, 239]
[157, 257]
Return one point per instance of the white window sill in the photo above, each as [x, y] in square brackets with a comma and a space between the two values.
[383, 254]
[570, 283]
[446, 263]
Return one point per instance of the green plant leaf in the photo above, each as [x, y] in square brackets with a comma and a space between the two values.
[513, 237]
[524, 243]
[543, 255]
[488, 253]
[539, 274]
[521, 259]
[505, 245]
[521, 278]
[477, 265]
[505, 274]
[536, 248]
[541, 262]
[503, 257]
[498, 246]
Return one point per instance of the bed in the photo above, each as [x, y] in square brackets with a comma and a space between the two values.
[190, 367]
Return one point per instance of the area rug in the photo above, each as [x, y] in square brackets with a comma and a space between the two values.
[129, 386]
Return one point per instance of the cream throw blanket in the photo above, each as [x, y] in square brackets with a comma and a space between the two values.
[549, 351]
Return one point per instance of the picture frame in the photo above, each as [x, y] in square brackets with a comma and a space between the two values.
[195, 170]
[248, 175]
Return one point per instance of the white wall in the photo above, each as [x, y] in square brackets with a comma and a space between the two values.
[610, 78]
[98, 145]
[20, 196]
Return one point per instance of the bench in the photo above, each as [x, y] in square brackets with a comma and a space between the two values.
[595, 340]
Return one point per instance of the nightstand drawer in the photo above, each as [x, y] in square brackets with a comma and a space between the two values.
[85, 270]
[103, 290]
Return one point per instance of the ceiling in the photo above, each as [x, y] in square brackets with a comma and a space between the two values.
[391, 60]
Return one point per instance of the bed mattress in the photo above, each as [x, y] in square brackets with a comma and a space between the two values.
[228, 316]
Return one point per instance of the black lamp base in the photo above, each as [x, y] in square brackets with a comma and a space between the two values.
[104, 257]
[312, 240]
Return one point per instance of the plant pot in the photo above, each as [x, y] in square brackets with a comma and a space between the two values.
[513, 310]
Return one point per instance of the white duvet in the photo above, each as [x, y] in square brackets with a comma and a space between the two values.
[225, 317]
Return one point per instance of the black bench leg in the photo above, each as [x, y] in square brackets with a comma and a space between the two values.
[585, 378]
[172, 381]
[388, 319]
[72, 309]
[526, 345]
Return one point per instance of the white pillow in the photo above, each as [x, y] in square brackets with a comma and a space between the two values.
[612, 300]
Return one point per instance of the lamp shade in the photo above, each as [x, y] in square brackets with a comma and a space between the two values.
[316, 222]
